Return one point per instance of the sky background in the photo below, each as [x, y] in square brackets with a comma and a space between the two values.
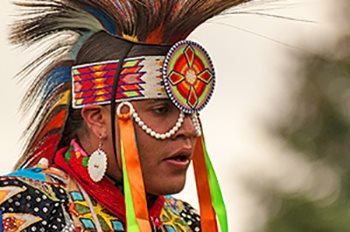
[253, 59]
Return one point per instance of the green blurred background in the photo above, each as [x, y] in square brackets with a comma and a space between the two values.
[317, 128]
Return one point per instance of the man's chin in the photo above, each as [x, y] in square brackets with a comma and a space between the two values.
[169, 187]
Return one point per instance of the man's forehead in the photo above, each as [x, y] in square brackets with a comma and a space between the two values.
[158, 100]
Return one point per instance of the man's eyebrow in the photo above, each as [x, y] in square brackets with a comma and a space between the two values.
[159, 100]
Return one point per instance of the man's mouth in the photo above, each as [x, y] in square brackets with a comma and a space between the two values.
[179, 159]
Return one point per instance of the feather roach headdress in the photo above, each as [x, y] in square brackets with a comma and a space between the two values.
[150, 36]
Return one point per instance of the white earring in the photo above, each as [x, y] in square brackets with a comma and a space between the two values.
[97, 164]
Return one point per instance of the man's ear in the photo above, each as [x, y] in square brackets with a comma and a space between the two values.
[96, 120]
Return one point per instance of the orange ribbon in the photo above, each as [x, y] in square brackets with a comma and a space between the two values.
[207, 214]
[133, 168]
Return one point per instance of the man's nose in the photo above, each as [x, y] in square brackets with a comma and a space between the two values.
[188, 128]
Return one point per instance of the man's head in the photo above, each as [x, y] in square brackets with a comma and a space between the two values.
[164, 162]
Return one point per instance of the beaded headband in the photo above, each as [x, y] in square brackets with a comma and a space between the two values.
[185, 75]
[141, 78]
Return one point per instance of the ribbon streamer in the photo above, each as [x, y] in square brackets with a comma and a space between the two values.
[216, 194]
[135, 195]
[210, 197]
[207, 214]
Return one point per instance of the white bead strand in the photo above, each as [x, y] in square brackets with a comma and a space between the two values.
[154, 134]
[196, 124]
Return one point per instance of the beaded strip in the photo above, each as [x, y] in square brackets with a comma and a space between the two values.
[196, 124]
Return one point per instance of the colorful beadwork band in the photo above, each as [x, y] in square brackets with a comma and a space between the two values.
[141, 78]
[185, 75]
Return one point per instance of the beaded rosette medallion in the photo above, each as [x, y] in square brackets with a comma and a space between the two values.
[189, 76]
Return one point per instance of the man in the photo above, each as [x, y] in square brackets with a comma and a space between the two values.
[117, 124]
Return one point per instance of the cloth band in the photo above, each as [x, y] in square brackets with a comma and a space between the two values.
[141, 78]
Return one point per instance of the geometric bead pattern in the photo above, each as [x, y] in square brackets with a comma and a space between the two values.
[31, 209]
[177, 215]
[189, 76]
[80, 208]
[140, 78]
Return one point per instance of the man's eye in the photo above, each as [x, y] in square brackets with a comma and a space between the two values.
[161, 110]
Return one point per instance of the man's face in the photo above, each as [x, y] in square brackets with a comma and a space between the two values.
[164, 162]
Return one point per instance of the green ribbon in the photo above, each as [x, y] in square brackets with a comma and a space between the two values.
[216, 195]
[131, 223]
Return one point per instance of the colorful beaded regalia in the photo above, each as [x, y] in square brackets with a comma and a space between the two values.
[154, 61]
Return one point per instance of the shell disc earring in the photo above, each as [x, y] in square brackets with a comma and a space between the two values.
[97, 164]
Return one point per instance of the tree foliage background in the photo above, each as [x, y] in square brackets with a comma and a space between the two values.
[318, 129]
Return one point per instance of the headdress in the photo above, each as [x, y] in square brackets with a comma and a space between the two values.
[153, 62]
